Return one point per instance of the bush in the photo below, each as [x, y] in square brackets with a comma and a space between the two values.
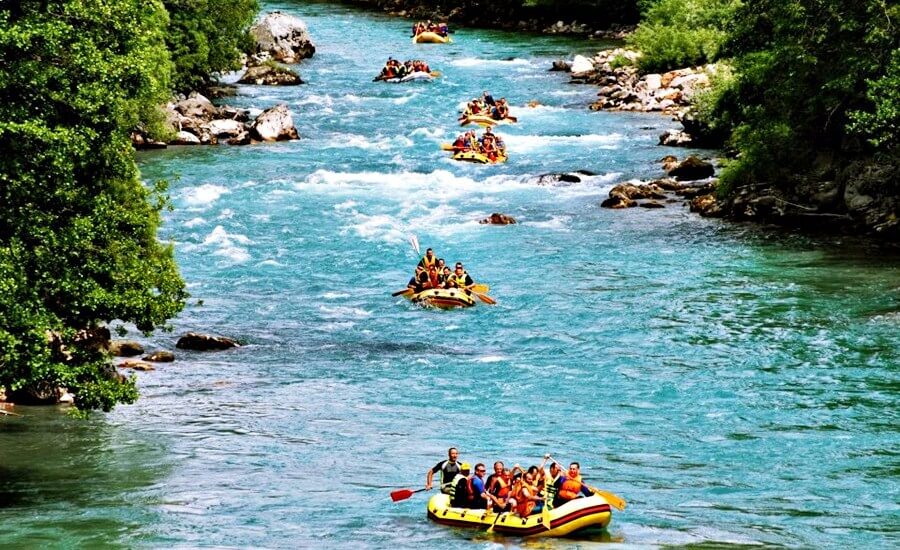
[680, 33]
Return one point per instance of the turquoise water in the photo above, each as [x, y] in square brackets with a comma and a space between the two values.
[736, 384]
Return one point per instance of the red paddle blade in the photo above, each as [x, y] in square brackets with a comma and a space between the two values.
[401, 494]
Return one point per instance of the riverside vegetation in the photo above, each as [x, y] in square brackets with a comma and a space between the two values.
[809, 120]
[78, 245]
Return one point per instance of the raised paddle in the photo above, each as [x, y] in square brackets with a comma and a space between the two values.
[613, 499]
[403, 494]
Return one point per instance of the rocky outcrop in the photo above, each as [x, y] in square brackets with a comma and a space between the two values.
[203, 342]
[692, 168]
[498, 219]
[270, 74]
[160, 357]
[274, 124]
[622, 88]
[196, 121]
[842, 196]
[136, 365]
[282, 37]
[125, 348]
[40, 393]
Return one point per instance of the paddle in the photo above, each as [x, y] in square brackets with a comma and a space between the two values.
[414, 241]
[491, 528]
[512, 118]
[446, 146]
[613, 499]
[435, 74]
[545, 515]
[403, 292]
[484, 289]
[484, 297]
[403, 494]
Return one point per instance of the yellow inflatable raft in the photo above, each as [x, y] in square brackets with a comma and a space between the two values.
[443, 298]
[431, 38]
[484, 120]
[578, 515]
[472, 156]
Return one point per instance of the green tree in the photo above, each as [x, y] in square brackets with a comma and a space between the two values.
[207, 37]
[804, 70]
[679, 33]
[78, 244]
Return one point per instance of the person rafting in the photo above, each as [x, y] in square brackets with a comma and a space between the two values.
[498, 485]
[460, 496]
[449, 469]
[570, 486]
[428, 260]
[487, 98]
[460, 279]
[551, 487]
[418, 280]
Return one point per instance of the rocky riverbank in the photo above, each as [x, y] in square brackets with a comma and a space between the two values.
[279, 40]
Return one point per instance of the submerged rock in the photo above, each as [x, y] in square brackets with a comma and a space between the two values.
[136, 365]
[160, 357]
[269, 74]
[203, 342]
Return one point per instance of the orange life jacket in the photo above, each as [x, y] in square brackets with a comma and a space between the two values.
[503, 491]
[570, 488]
[523, 504]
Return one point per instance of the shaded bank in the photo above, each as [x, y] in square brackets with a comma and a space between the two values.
[578, 17]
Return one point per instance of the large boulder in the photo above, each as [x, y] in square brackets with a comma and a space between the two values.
[203, 342]
[274, 124]
[125, 348]
[160, 356]
[692, 168]
[196, 106]
[225, 127]
[270, 74]
[284, 37]
[581, 65]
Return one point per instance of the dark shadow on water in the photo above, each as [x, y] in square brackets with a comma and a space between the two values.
[80, 481]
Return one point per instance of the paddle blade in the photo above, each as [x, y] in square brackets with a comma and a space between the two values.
[614, 500]
[485, 298]
[401, 494]
[435, 73]
[545, 517]
[446, 146]
[403, 292]
[512, 118]
[414, 241]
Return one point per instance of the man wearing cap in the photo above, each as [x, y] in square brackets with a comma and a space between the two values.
[449, 470]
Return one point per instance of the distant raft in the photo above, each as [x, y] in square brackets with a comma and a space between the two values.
[431, 38]
[580, 515]
[478, 158]
[418, 75]
[443, 298]
[485, 120]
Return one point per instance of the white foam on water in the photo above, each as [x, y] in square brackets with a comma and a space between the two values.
[477, 62]
[518, 144]
[565, 92]
[346, 205]
[555, 222]
[203, 195]
[226, 214]
[491, 358]
[364, 142]
[335, 295]
[270, 263]
[194, 222]
[344, 311]
[227, 245]
[434, 133]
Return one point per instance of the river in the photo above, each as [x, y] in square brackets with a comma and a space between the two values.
[736, 384]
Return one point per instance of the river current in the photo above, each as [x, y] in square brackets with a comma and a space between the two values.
[735, 384]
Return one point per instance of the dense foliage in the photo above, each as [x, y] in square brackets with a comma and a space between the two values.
[680, 33]
[78, 243]
[206, 37]
[812, 76]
